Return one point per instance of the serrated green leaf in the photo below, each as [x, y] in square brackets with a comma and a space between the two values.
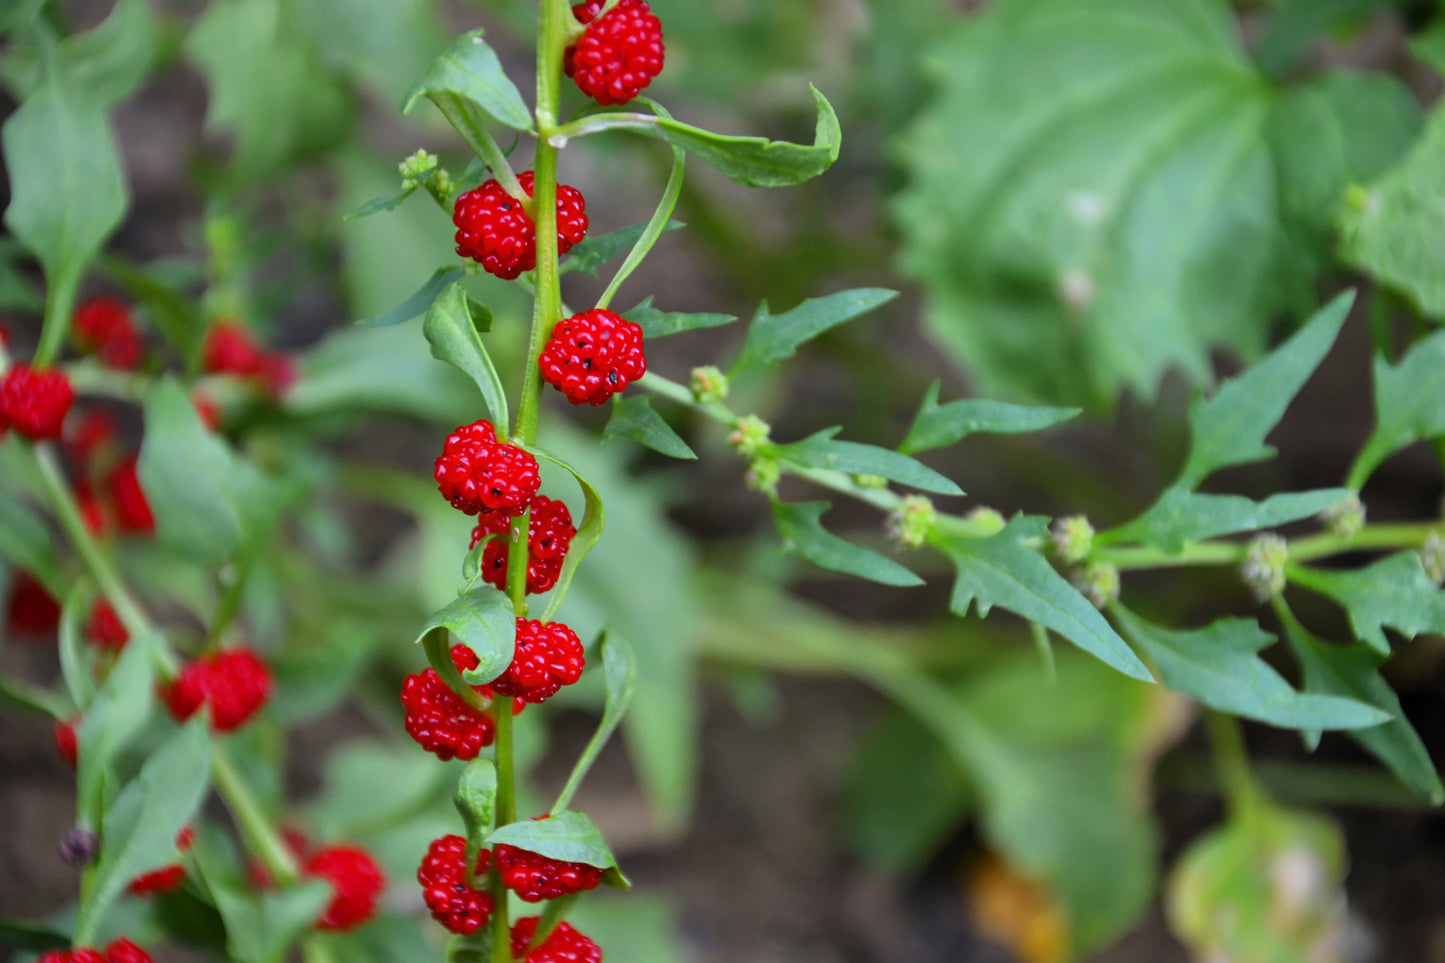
[1003, 571]
[938, 426]
[1220, 666]
[25, 543]
[31, 936]
[452, 329]
[568, 836]
[801, 529]
[140, 827]
[1181, 516]
[384, 202]
[484, 622]
[113, 718]
[658, 324]
[633, 417]
[470, 72]
[594, 252]
[821, 451]
[1230, 427]
[619, 666]
[593, 518]
[442, 278]
[1394, 591]
[773, 337]
[1409, 405]
[1352, 670]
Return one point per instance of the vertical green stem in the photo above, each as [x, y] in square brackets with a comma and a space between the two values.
[1231, 758]
[506, 813]
[261, 837]
[58, 304]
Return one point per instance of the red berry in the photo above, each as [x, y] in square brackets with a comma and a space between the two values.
[565, 945]
[132, 509]
[35, 400]
[619, 54]
[277, 374]
[78, 956]
[535, 877]
[229, 349]
[33, 610]
[549, 535]
[477, 473]
[356, 885]
[167, 878]
[209, 411]
[549, 656]
[95, 430]
[494, 230]
[92, 513]
[65, 741]
[103, 326]
[124, 951]
[443, 878]
[105, 627]
[234, 682]
[592, 356]
[438, 719]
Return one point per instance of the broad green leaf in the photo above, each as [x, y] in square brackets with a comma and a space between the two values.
[773, 337]
[1394, 591]
[1353, 671]
[20, 13]
[1220, 666]
[441, 280]
[594, 252]
[619, 666]
[593, 517]
[469, 73]
[452, 328]
[938, 426]
[1230, 427]
[476, 801]
[386, 44]
[383, 202]
[484, 622]
[801, 529]
[261, 926]
[113, 718]
[1429, 45]
[108, 62]
[1409, 405]
[75, 668]
[633, 417]
[31, 936]
[367, 787]
[1295, 24]
[1003, 571]
[25, 543]
[140, 827]
[821, 451]
[657, 324]
[568, 836]
[16, 291]
[1181, 516]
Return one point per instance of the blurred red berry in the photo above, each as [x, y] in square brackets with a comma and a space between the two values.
[65, 740]
[167, 878]
[105, 627]
[132, 509]
[209, 411]
[33, 611]
[356, 885]
[124, 951]
[35, 401]
[104, 327]
[234, 682]
[230, 349]
[92, 432]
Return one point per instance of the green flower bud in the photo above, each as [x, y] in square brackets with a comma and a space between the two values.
[709, 384]
[1073, 538]
[750, 435]
[1263, 569]
[1345, 517]
[763, 474]
[986, 521]
[912, 521]
[870, 481]
[416, 169]
[1432, 554]
[1099, 581]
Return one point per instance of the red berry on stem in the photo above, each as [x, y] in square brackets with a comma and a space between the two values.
[132, 509]
[549, 535]
[592, 356]
[65, 741]
[477, 473]
[33, 611]
[618, 54]
[235, 683]
[438, 719]
[35, 400]
[124, 951]
[494, 230]
[105, 627]
[356, 885]
[535, 877]
[230, 349]
[443, 878]
[548, 656]
[103, 326]
[564, 945]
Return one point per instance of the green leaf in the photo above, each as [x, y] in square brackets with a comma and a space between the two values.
[633, 417]
[452, 329]
[470, 74]
[367, 787]
[167, 304]
[1394, 591]
[938, 426]
[568, 836]
[803, 533]
[108, 62]
[588, 533]
[1409, 405]
[383, 202]
[31, 936]
[1181, 516]
[1230, 428]
[1429, 45]
[111, 721]
[140, 827]
[476, 801]
[821, 451]
[25, 542]
[442, 279]
[594, 252]
[1220, 666]
[773, 337]
[75, 668]
[1003, 571]
[658, 324]
[1353, 671]
[619, 666]
[1295, 24]
[484, 622]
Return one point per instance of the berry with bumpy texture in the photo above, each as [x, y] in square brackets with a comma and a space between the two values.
[167, 878]
[494, 229]
[443, 878]
[618, 55]
[33, 611]
[565, 945]
[35, 400]
[356, 885]
[105, 628]
[65, 741]
[124, 951]
[535, 877]
[438, 719]
[477, 473]
[132, 508]
[549, 534]
[592, 356]
[235, 683]
[103, 327]
[548, 656]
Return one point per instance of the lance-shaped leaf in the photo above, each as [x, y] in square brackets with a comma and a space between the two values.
[594, 252]
[112, 719]
[802, 532]
[1394, 591]
[382, 202]
[466, 76]
[26, 544]
[31, 936]
[1181, 516]
[1220, 666]
[568, 836]
[1003, 571]
[619, 666]
[657, 324]
[821, 451]
[1409, 405]
[773, 337]
[484, 622]
[476, 801]
[441, 279]
[593, 518]
[633, 417]
[938, 426]
[452, 329]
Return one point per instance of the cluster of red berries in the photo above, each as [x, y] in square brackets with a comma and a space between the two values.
[592, 356]
[438, 719]
[105, 628]
[356, 885]
[477, 473]
[549, 535]
[494, 229]
[535, 877]
[449, 894]
[234, 683]
[34, 401]
[119, 951]
[548, 656]
[230, 349]
[618, 54]
[563, 945]
[104, 327]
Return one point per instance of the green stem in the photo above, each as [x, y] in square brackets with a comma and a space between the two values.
[261, 837]
[506, 813]
[1231, 759]
[58, 304]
